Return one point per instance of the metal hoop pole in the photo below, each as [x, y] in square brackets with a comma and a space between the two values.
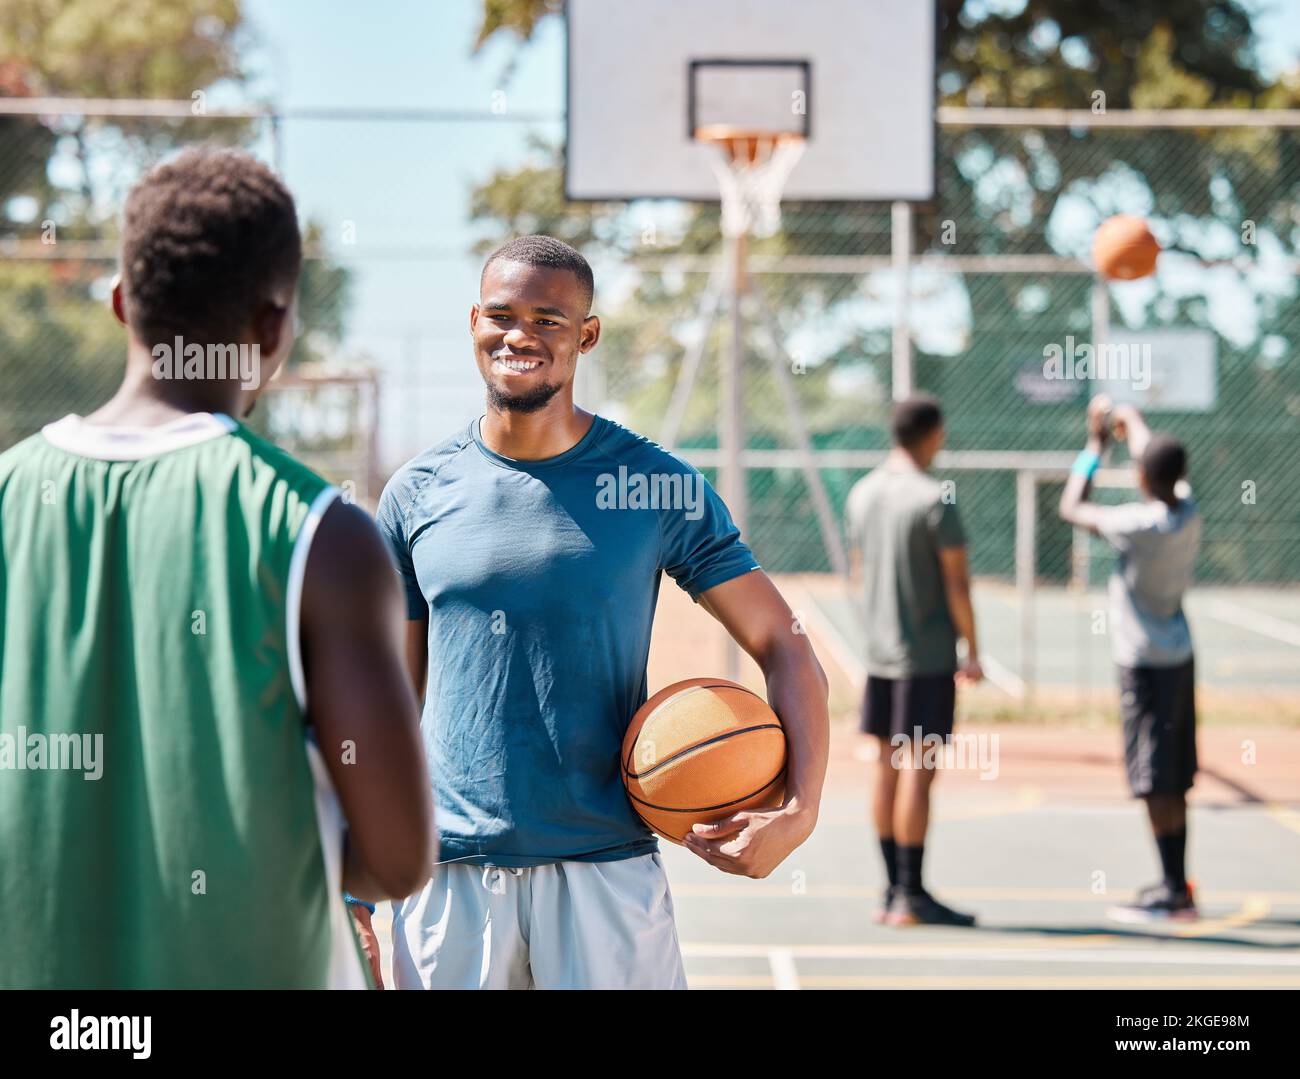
[691, 362]
[732, 427]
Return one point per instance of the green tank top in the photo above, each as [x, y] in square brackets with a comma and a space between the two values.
[165, 817]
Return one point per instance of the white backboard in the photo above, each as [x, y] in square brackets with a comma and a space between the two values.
[869, 101]
[1168, 370]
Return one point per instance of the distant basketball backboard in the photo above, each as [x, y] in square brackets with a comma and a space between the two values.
[1166, 370]
[855, 78]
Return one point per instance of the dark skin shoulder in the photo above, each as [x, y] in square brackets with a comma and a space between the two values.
[362, 705]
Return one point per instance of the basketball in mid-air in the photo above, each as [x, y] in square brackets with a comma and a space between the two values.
[699, 751]
[1123, 248]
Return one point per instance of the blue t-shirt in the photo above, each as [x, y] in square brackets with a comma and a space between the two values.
[539, 580]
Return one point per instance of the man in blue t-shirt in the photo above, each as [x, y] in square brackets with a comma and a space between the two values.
[531, 545]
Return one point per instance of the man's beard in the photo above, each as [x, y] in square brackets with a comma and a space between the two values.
[530, 401]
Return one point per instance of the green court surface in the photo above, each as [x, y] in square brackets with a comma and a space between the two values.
[1042, 843]
[1245, 639]
[1039, 846]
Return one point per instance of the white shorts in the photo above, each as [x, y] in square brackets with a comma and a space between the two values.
[567, 925]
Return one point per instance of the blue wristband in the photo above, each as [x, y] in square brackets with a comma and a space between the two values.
[1086, 464]
[354, 901]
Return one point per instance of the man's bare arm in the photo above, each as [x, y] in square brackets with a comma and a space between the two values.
[753, 843]
[956, 586]
[360, 700]
[417, 654]
[1074, 507]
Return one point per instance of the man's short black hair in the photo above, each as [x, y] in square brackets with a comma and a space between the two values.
[1164, 463]
[550, 252]
[207, 238]
[914, 418]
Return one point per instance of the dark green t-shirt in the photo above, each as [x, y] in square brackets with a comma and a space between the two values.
[900, 518]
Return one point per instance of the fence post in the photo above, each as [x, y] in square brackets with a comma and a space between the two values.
[1026, 564]
[1080, 560]
[1100, 312]
[900, 249]
[732, 420]
[277, 143]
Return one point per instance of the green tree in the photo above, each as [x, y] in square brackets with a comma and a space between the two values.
[63, 179]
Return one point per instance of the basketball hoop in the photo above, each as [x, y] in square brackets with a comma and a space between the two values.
[752, 167]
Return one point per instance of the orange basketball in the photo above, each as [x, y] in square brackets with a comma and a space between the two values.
[699, 751]
[1123, 248]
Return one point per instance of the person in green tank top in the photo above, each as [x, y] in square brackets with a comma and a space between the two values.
[206, 727]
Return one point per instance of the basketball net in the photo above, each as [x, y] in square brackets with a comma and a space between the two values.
[751, 167]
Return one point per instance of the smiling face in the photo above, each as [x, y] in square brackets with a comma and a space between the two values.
[529, 327]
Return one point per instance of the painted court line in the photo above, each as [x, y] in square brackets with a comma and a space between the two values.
[842, 651]
[1028, 797]
[848, 660]
[1001, 981]
[1082, 894]
[1256, 621]
[1002, 677]
[1178, 956]
[1288, 818]
[1026, 800]
[785, 975]
[1253, 909]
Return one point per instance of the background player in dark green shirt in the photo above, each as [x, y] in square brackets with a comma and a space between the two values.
[908, 546]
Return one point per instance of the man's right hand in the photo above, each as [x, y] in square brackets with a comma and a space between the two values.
[1099, 411]
[369, 941]
[1119, 421]
[970, 671]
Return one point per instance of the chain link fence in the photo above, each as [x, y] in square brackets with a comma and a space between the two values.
[999, 278]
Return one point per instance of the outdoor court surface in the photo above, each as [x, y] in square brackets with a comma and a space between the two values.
[1030, 853]
[1039, 851]
[1247, 639]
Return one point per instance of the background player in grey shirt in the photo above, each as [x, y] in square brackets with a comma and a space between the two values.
[910, 552]
[1157, 541]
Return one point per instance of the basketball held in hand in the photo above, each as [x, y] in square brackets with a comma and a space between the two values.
[699, 751]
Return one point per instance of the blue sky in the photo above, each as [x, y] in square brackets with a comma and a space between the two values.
[405, 186]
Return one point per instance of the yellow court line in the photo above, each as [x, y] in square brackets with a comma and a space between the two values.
[1253, 909]
[1102, 948]
[1284, 815]
[1007, 981]
[1029, 798]
[1007, 895]
[914, 950]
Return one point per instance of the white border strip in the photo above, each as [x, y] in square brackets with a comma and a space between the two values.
[1265, 625]
[999, 676]
[293, 593]
[1096, 953]
[1002, 677]
[785, 974]
[814, 618]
